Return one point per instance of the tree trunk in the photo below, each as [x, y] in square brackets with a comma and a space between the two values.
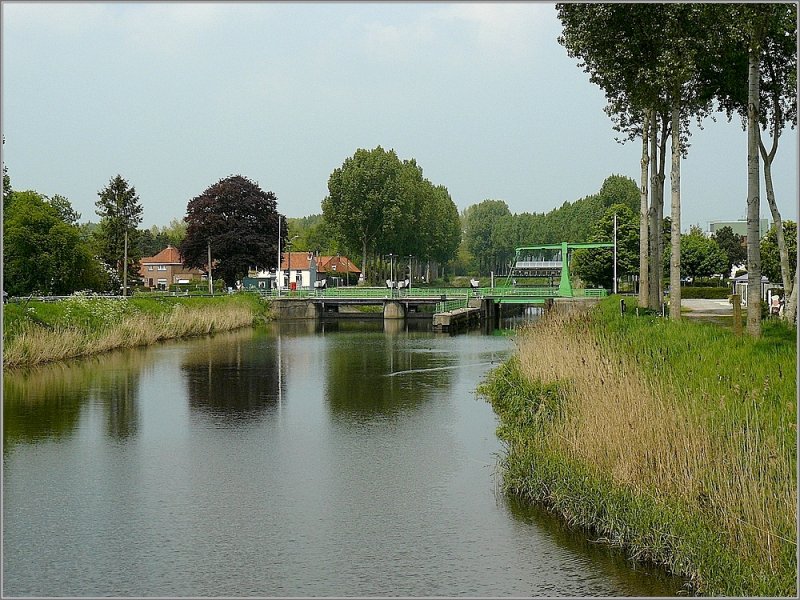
[662, 160]
[653, 300]
[656, 212]
[786, 274]
[790, 308]
[675, 186]
[753, 201]
[364, 258]
[644, 278]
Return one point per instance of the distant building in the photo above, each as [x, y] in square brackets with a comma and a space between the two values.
[166, 268]
[739, 227]
[304, 269]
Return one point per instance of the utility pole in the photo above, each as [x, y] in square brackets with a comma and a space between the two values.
[210, 279]
[278, 270]
[615, 253]
[125, 265]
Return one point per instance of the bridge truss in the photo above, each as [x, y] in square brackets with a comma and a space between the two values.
[550, 261]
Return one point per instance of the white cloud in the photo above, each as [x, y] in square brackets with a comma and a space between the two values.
[456, 32]
[501, 28]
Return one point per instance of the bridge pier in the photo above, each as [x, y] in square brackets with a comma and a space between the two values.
[393, 310]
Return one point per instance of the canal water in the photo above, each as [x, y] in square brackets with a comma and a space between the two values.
[299, 459]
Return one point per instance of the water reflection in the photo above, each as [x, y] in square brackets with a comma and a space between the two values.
[46, 402]
[231, 378]
[385, 375]
[611, 563]
[274, 462]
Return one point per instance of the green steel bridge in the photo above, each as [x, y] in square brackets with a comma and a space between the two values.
[545, 260]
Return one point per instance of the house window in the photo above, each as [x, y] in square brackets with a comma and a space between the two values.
[162, 284]
[162, 267]
[149, 267]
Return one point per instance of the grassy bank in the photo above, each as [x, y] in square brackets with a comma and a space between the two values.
[39, 332]
[675, 441]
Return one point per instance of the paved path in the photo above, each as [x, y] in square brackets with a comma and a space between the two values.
[703, 307]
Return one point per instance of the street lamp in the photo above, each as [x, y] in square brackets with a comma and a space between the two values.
[410, 272]
[391, 273]
[278, 270]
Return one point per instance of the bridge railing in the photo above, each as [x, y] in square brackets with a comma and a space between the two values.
[370, 292]
[590, 293]
[452, 304]
[460, 294]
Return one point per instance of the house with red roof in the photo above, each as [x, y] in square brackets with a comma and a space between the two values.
[166, 268]
[305, 270]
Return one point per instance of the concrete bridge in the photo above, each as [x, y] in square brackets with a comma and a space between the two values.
[447, 307]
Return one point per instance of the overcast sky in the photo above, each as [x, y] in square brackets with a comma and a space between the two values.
[176, 96]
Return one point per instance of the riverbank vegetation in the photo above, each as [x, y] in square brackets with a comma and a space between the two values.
[39, 332]
[673, 440]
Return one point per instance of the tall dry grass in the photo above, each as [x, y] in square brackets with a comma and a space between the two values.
[715, 451]
[36, 344]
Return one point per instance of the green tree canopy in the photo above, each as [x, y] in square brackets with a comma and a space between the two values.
[362, 194]
[701, 256]
[120, 213]
[770, 258]
[732, 244]
[64, 208]
[240, 222]
[313, 234]
[43, 253]
[596, 266]
[480, 221]
[378, 204]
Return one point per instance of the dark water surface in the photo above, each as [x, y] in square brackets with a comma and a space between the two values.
[294, 460]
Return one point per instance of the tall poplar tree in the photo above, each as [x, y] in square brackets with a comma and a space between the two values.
[761, 39]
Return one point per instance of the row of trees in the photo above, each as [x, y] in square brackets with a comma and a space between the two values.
[492, 232]
[47, 251]
[662, 65]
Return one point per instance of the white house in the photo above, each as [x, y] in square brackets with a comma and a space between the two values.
[304, 269]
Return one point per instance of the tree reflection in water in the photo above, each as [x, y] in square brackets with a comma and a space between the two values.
[232, 377]
[46, 402]
[373, 374]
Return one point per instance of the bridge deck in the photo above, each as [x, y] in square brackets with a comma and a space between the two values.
[366, 296]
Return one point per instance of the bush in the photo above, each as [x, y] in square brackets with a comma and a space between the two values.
[705, 292]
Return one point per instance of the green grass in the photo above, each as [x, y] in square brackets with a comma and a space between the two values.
[722, 417]
[45, 331]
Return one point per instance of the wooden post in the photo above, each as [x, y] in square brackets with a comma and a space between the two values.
[736, 300]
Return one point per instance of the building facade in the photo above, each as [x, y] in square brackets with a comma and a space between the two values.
[166, 268]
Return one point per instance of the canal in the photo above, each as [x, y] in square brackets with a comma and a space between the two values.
[298, 459]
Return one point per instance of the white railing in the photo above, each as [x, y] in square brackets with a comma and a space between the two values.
[538, 264]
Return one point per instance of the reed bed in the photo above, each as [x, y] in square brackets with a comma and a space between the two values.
[85, 327]
[674, 440]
